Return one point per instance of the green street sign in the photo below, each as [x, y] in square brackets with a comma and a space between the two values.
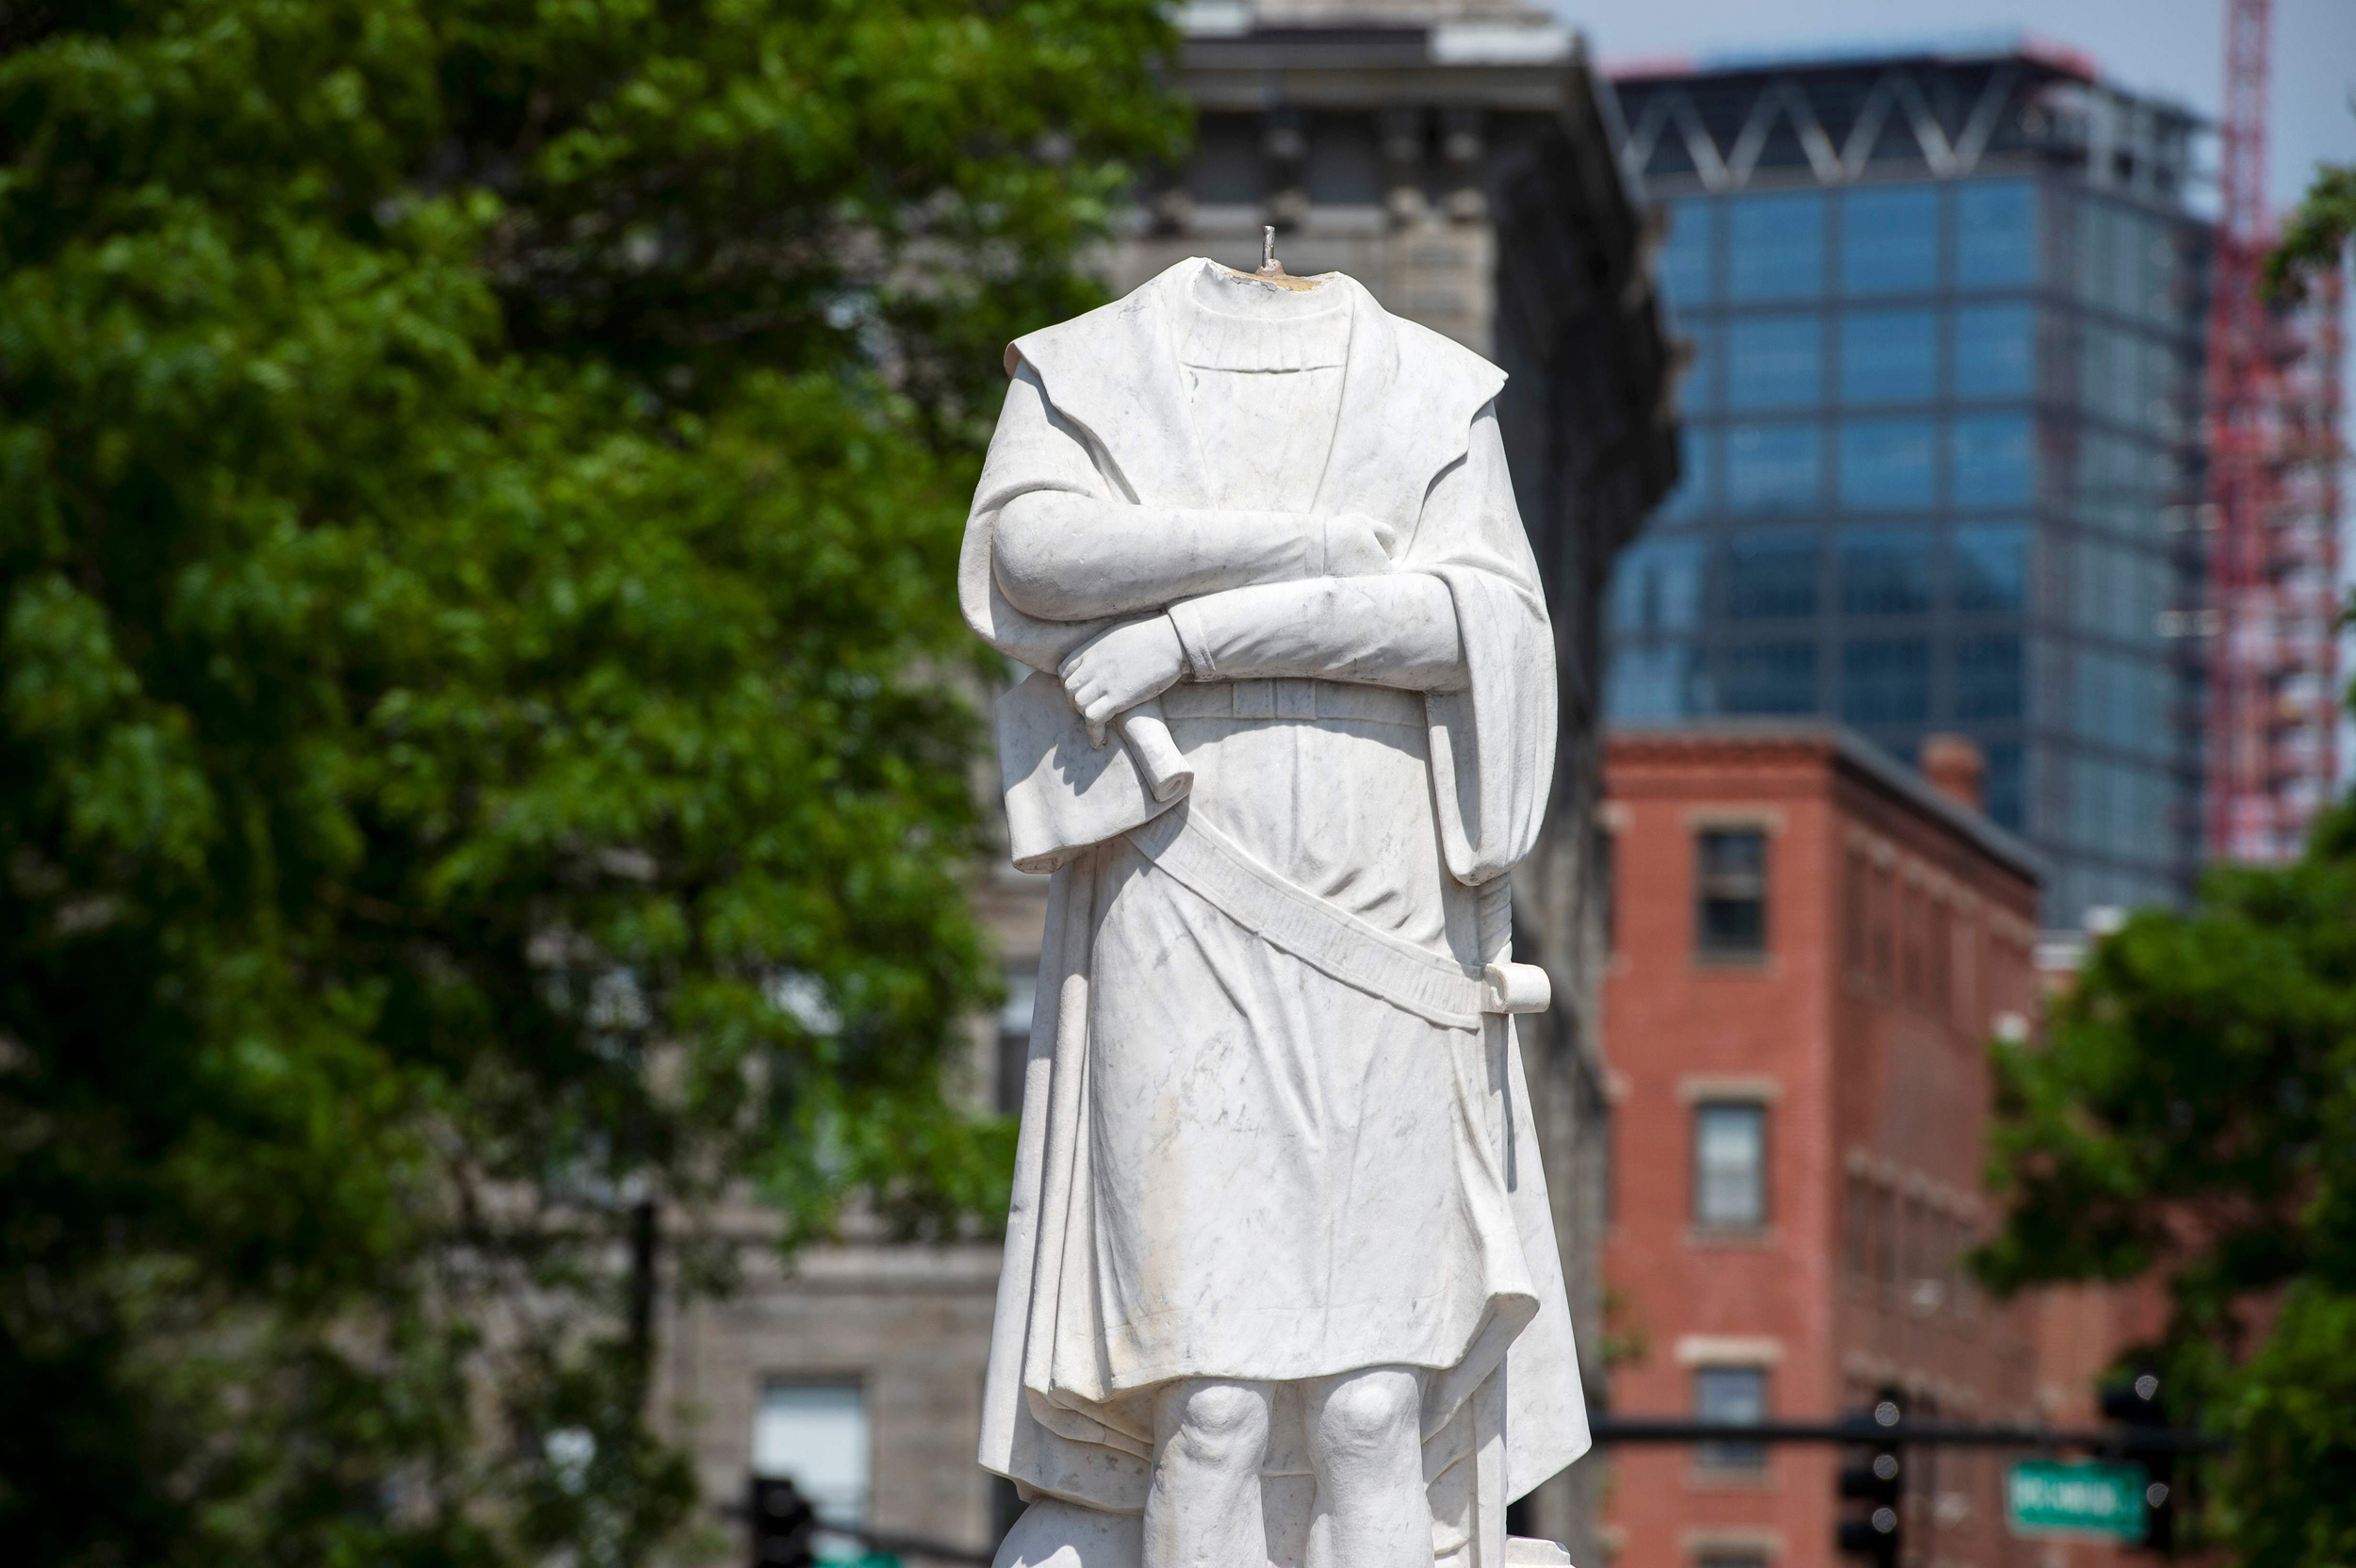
[2048, 1497]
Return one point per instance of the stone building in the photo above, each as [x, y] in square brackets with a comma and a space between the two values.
[1455, 158]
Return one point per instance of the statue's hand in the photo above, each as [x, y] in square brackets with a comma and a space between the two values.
[1358, 546]
[1123, 668]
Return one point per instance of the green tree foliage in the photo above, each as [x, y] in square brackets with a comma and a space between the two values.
[2193, 1113]
[482, 768]
[2316, 235]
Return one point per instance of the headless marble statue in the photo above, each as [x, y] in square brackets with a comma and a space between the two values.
[1281, 1284]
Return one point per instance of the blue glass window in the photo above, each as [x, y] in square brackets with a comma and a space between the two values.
[1890, 240]
[1657, 586]
[1887, 464]
[1991, 567]
[1776, 247]
[1650, 682]
[1768, 678]
[1888, 356]
[1995, 351]
[1885, 571]
[2005, 794]
[1697, 453]
[1995, 459]
[1996, 232]
[1771, 573]
[1987, 677]
[1697, 382]
[1886, 680]
[1772, 467]
[1685, 271]
[1776, 361]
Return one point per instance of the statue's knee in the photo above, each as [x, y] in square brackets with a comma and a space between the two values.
[1221, 1424]
[1368, 1413]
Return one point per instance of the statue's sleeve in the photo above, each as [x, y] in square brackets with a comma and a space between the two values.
[1493, 738]
[1033, 451]
[1397, 629]
[1068, 557]
[1059, 548]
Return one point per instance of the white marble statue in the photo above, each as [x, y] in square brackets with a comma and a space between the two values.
[1281, 1285]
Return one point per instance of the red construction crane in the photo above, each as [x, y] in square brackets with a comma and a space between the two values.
[2273, 423]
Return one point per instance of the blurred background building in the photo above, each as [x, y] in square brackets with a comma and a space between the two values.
[1944, 456]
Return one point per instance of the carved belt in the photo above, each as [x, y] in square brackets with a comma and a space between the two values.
[1294, 699]
[1330, 939]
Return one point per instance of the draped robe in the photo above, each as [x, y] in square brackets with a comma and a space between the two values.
[1233, 1164]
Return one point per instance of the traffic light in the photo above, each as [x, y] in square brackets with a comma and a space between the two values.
[1878, 1480]
[2138, 1403]
[783, 1521]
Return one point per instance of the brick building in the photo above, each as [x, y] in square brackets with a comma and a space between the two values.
[1810, 947]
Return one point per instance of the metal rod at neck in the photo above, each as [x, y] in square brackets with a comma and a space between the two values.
[1269, 266]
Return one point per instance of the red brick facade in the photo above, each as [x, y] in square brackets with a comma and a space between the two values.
[1801, 1097]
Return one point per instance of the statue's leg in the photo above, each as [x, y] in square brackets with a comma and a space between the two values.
[1202, 1505]
[1366, 1443]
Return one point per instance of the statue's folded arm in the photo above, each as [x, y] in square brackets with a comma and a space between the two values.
[1396, 631]
[1063, 556]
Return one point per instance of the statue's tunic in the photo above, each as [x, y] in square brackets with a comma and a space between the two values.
[1232, 1164]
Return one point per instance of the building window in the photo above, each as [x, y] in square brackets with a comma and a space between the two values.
[2005, 800]
[1731, 891]
[1771, 574]
[1885, 571]
[1888, 356]
[1767, 677]
[1890, 240]
[1014, 1039]
[1996, 232]
[1995, 352]
[1856, 1229]
[1730, 1163]
[1994, 457]
[1772, 467]
[1776, 247]
[1991, 567]
[1734, 1396]
[1888, 465]
[1644, 683]
[1657, 587]
[1685, 271]
[815, 1434]
[1776, 361]
[1886, 680]
[1989, 680]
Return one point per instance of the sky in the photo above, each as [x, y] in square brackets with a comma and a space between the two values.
[2171, 48]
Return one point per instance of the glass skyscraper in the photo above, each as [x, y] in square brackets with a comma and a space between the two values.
[1942, 456]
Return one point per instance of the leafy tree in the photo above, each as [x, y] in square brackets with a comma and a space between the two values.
[2193, 1113]
[2317, 232]
[482, 765]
